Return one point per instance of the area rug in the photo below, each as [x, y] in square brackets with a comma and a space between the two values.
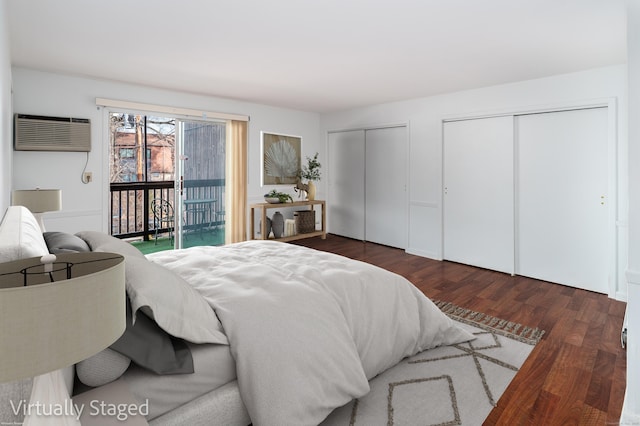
[449, 385]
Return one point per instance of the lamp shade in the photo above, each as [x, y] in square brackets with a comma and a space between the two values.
[50, 320]
[38, 200]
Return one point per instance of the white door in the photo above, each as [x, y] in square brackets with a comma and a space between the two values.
[386, 186]
[478, 210]
[562, 198]
[345, 204]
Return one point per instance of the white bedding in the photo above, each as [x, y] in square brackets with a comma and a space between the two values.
[307, 328]
[213, 367]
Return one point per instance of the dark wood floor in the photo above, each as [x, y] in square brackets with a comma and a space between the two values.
[574, 376]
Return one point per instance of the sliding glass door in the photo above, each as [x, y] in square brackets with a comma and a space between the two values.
[200, 180]
[167, 183]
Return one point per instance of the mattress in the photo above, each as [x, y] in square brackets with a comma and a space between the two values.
[220, 407]
[213, 367]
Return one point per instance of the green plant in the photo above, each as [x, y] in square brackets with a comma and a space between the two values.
[282, 196]
[312, 170]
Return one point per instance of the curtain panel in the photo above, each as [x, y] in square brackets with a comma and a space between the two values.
[236, 182]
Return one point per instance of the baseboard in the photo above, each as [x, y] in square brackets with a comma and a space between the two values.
[630, 408]
[627, 418]
[621, 296]
[423, 253]
[633, 277]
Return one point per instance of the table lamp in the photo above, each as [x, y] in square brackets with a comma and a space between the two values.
[38, 201]
[55, 312]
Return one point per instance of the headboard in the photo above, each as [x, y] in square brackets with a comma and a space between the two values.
[20, 235]
[20, 238]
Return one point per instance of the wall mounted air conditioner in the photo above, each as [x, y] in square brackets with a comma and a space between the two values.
[39, 133]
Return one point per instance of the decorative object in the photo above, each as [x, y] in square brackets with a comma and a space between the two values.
[275, 197]
[310, 172]
[38, 201]
[305, 221]
[267, 227]
[435, 386]
[277, 225]
[303, 188]
[289, 227]
[280, 158]
[57, 311]
[311, 192]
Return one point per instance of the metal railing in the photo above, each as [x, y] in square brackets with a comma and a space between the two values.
[131, 214]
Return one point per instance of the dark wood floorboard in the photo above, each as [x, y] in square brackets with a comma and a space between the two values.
[576, 375]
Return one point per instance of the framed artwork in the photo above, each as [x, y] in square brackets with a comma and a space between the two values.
[281, 158]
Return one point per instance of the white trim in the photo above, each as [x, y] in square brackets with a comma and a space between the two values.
[407, 142]
[628, 418]
[431, 205]
[407, 185]
[633, 277]
[613, 198]
[371, 127]
[64, 214]
[423, 253]
[105, 184]
[185, 112]
[534, 109]
[621, 296]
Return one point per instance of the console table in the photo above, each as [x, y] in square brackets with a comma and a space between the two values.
[263, 207]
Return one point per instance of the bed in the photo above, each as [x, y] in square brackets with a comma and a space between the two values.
[257, 332]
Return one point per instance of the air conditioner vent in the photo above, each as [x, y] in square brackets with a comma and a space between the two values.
[39, 133]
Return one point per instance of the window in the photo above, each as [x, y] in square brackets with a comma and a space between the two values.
[131, 135]
[150, 176]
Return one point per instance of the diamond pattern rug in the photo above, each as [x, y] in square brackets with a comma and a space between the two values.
[449, 385]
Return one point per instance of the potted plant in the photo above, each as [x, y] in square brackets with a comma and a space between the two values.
[277, 197]
[311, 172]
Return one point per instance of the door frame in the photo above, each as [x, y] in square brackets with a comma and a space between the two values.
[179, 181]
[614, 224]
[364, 128]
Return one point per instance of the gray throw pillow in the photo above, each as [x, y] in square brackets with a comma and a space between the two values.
[62, 242]
[99, 241]
[150, 347]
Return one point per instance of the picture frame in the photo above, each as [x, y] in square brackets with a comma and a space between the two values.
[280, 159]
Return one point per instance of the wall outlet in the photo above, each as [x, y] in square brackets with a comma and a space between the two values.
[87, 177]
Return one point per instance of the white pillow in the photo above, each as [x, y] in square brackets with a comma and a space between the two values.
[102, 368]
[20, 235]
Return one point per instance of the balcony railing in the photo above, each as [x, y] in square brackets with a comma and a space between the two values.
[131, 214]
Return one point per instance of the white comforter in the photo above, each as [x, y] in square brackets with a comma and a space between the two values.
[308, 328]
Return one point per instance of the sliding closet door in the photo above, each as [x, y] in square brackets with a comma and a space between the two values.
[386, 186]
[478, 210]
[345, 204]
[562, 198]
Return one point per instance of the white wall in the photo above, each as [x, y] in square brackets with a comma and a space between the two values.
[5, 110]
[631, 409]
[86, 206]
[425, 116]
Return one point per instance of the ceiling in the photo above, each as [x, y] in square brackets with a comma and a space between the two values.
[317, 55]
